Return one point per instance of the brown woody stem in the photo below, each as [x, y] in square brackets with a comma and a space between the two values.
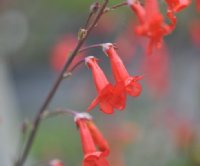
[23, 156]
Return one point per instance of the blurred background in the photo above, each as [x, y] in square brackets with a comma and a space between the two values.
[160, 127]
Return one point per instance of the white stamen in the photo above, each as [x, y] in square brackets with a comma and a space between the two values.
[106, 46]
[82, 115]
[88, 58]
[130, 2]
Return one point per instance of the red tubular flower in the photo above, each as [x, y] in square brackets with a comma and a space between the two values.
[152, 23]
[98, 138]
[109, 97]
[138, 9]
[91, 137]
[177, 5]
[121, 75]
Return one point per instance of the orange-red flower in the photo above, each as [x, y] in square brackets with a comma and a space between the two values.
[139, 10]
[91, 138]
[109, 96]
[121, 75]
[177, 5]
[152, 23]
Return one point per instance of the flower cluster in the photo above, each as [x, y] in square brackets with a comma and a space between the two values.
[110, 96]
[151, 21]
[91, 138]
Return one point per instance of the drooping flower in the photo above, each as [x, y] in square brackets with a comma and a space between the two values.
[177, 5]
[121, 75]
[91, 138]
[109, 96]
[152, 23]
[139, 10]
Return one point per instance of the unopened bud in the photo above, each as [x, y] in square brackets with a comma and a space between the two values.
[25, 126]
[107, 9]
[82, 34]
[94, 7]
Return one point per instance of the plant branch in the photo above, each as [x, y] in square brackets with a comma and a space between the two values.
[119, 5]
[91, 46]
[68, 74]
[93, 9]
[95, 46]
[23, 156]
[115, 7]
[48, 114]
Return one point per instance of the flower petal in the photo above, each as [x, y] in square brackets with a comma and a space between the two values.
[93, 104]
[95, 159]
[133, 87]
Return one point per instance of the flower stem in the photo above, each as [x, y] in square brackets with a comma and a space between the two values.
[49, 114]
[91, 46]
[95, 46]
[119, 5]
[37, 120]
[115, 7]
